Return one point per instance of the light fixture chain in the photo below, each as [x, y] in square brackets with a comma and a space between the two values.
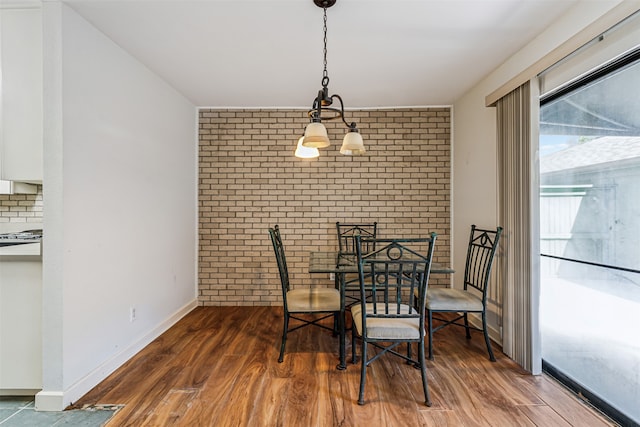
[315, 134]
[325, 74]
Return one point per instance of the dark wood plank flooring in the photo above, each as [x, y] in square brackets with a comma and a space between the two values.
[218, 367]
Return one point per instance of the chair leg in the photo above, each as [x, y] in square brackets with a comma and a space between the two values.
[430, 327]
[423, 372]
[486, 336]
[363, 371]
[343, 340]
[466, 326]
[353, 343]
[285, 328]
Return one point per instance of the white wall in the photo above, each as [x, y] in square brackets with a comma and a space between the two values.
[119, 210]
[474, 128]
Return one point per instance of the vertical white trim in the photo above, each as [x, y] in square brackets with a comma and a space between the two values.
[53, 209]
[451, 191]
[196, 189]
[534, 214]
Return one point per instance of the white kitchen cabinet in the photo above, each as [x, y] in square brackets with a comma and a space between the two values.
[20, 319]
[21, 93]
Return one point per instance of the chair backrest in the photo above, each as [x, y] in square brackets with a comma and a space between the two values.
[346, 233]
[281, 259]
[390, 275]
[480, 254]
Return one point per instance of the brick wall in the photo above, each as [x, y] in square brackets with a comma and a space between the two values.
[16, 208]
[249, 180]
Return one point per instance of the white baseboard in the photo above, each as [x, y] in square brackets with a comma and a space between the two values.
[49, 401]
[18, 392]
[59, 400]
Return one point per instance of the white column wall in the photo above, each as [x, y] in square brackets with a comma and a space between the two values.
[120, 179]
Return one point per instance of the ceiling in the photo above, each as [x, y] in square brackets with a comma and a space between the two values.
[259, 53]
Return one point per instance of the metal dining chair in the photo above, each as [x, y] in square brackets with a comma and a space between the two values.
[346, 233]
[473, 297]
[302, 300]
[391, 274]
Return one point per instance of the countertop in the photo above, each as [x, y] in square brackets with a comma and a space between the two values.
[27, 249]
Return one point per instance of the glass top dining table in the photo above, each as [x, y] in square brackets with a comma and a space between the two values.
[340, 264]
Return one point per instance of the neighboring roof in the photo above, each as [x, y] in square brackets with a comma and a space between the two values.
[600, 150]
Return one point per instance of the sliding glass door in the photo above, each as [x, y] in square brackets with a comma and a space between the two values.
[590, 236]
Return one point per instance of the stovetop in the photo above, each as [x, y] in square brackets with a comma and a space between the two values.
[20, 237]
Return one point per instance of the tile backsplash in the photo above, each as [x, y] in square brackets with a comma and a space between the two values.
[21, 208]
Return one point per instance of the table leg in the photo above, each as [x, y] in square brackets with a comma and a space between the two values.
[339, 278]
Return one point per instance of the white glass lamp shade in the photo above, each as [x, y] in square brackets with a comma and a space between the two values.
[306, 152]
[315, 135]
[352, 144]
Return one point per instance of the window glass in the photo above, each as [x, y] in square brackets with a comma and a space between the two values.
[590, 236]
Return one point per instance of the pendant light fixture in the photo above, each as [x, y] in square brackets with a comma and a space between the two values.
[315, 134]
[306, 152]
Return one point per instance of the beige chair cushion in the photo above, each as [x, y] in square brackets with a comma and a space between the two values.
[313, 299]
[447, 299]
[385, 328]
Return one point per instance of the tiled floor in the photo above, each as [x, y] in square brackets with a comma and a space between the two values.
[20, 412]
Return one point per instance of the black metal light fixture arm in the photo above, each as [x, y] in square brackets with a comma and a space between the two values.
[316, 109]
[352, 125]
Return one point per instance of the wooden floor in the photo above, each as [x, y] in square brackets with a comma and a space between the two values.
[218, 367]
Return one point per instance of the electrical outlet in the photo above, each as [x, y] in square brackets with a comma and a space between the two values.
[132, 314]
[332, 276]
